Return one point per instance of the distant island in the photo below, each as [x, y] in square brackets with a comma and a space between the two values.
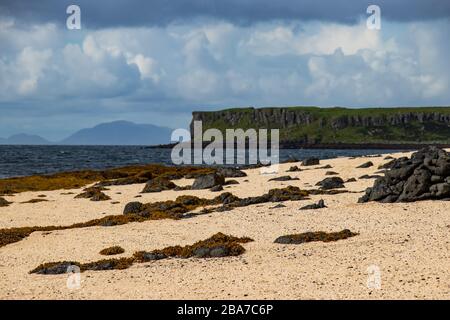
[338, 127]
[112, 133]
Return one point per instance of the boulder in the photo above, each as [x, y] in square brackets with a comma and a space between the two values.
[370, 176]
[229, 172]
[367, 164]
[216, 188]
[318, 205]
[283, 178]
[310, 161]
[133, 207]
[278, 206]
[230, 182]
[294, 169]
[331, 183]
[158, 184]
[208, 181]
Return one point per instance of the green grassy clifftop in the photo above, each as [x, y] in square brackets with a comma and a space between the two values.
[313, 125]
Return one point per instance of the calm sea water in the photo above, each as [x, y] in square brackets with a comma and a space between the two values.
[29, 160]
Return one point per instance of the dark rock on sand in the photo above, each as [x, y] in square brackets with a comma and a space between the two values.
[278, 206]
[151, 256]
[158, 184]
[331, 183]
[331, 173]
[228, 172]
[214, 252]
[133, 207]
[226, 198]
[216, 188]
[310, 162]
[178, 188]
[230, 182]
[425, 176]
[371, 176]
[55, 268]
[294, 169]
[393, 164]
[283, 178]
[290, 159]
[4, 203]
[93, 193]
[208, 181]
[367, 164]
[318, 205]
[351, 180]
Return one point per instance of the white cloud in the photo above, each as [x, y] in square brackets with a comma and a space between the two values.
[315, 38]
[180, 67]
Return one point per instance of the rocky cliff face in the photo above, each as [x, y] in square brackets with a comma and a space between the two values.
[285, 118]
[311, 125]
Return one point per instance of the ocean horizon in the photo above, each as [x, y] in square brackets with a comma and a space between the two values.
[22, 160]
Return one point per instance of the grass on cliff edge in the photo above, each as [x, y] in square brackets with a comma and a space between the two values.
[320, 130]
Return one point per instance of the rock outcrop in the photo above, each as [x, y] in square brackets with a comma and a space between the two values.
[331, 183]
[325, 126]
[208, 181]
[425, 176]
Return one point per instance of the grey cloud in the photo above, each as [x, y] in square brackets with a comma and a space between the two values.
[105, 13]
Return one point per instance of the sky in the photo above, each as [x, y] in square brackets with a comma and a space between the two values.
[157, 61]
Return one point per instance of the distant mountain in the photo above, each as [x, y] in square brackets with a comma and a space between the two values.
[120, 133]
[24, 139]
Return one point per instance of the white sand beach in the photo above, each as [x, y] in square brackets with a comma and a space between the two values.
[408, 242]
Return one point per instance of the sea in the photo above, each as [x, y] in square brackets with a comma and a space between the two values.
[16, 161]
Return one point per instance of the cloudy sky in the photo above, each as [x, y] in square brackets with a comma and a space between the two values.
[157, 61]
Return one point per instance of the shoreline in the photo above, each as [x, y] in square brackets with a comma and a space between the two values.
[336, 146]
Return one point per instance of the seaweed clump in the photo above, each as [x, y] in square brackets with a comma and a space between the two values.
[12, 235]
[315, 236]
[112, 251]
[35, 201]
[63, 267]
[219, 245]
[81, 178]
